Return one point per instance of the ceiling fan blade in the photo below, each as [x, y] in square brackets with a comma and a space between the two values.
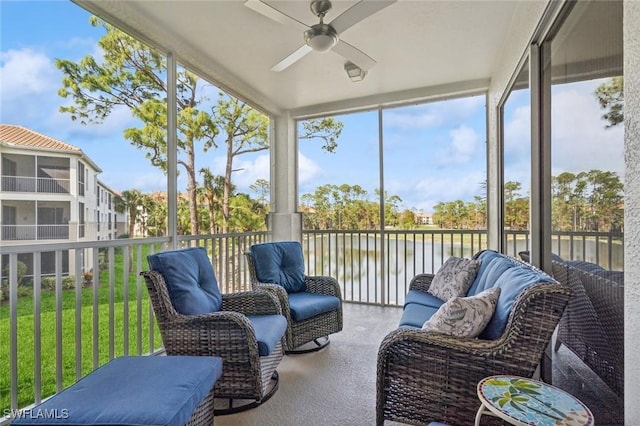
[291, 59]
[354, 55]
[274, 14]
[358, 12]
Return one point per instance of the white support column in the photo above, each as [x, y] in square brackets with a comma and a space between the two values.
[631, 42]
[285, 222]
[172, 151]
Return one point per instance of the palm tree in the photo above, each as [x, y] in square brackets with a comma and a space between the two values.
[130, 202]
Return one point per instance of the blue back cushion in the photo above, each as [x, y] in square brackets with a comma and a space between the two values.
[190, 279]
[512, 277]
[280, 263]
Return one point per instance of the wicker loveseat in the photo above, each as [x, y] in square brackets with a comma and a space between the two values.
[424, 376]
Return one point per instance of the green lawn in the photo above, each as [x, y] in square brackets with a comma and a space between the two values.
[48, 333]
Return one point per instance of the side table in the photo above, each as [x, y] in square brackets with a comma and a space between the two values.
[526, 402]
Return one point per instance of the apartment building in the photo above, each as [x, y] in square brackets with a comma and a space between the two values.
[50, 193]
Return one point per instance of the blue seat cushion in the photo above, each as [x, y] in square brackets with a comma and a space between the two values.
[422, 298]
[269, 330]
[512, 278]
[280, 263]
[133, 390]
[305, 305]
[193, 288]
[414, 314]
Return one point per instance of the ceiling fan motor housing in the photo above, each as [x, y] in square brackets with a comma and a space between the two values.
[321, 37]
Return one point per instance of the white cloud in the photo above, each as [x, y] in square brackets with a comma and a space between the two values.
[28, 84]
[26, 72]
[433, 189]
[247, 170]
[580, 140]
[517, 133]
[433, 114]
[308, 170]
[405, 121]
[464, 145]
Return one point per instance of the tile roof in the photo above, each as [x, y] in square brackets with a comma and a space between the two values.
[19, 136]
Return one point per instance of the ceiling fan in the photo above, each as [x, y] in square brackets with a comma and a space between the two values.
[323, 37]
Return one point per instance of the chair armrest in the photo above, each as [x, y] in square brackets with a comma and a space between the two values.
[421, 282]
[323, 285]
[223, 331]
[278, 293]
[251, 303]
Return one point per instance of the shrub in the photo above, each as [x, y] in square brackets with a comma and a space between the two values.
[48, 283]
[24, 291]
[22, 271]
[69, 282]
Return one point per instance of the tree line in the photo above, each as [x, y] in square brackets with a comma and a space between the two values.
[585, 201]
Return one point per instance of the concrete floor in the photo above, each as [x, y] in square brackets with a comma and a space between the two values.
[336, 386]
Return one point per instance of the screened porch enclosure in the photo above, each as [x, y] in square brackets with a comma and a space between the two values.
[542, 195]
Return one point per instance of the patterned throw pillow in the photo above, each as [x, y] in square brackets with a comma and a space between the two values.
[464, 316]
[454, 278]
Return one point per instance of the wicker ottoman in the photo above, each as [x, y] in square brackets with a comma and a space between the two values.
[135, 390]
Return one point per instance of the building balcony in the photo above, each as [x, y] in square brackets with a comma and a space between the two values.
[65, 326]
[35, 232]
[35, 184]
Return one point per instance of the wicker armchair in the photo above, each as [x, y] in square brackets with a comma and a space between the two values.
[231, 333]
[313, 309]
[426, 376]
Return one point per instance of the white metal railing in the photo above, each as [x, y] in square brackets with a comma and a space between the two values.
[35, 232]
[53, 324]
[35, 184]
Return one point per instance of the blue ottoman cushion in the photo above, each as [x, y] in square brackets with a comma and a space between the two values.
[269, 331]
[305, 305]
[189, 275]
[280, 263]
[133, 390]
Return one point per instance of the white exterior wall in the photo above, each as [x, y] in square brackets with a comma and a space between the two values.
[631, 40]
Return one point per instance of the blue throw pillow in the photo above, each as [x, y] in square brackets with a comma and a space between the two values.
[280, 263]
[190, 279]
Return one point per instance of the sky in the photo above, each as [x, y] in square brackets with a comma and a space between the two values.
[432, 152]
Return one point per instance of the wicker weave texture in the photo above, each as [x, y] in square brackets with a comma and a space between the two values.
[425, 376]
[301, 332]
[203, 414]
[593, 324]
[227, 334]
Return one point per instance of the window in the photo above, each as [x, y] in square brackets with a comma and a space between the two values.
[81, 178]
[80, 220]
[587, 139]
[516, 159]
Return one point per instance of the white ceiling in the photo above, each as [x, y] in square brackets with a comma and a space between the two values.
[422, 48]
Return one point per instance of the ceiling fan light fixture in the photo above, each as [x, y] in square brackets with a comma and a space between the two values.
[354, 72]
[321, 37]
